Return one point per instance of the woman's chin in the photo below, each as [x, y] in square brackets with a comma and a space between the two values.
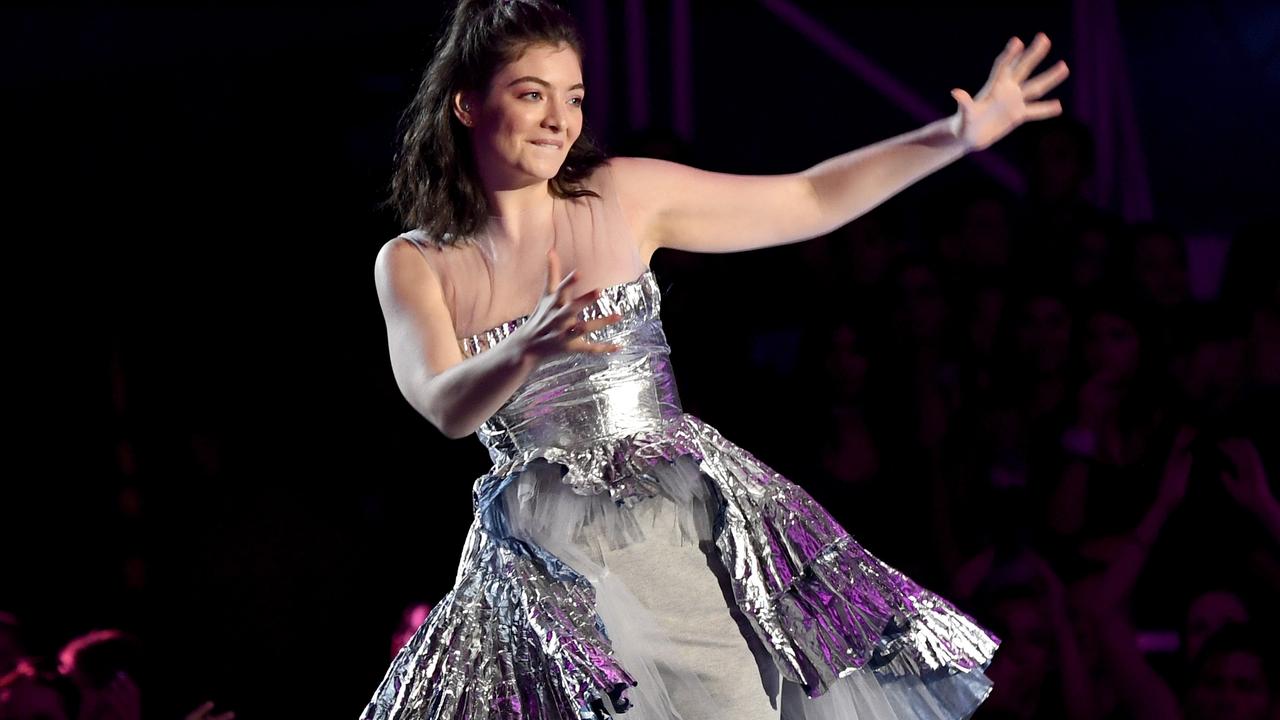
[547, 170]
[533, 173]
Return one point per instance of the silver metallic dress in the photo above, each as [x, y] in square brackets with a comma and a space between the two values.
[573, 596]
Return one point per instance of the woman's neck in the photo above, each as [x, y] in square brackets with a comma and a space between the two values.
[516, 199]
[521, 213]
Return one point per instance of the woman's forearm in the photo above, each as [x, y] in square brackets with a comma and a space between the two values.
[851, 184]
[1124, 569]
[460, 399]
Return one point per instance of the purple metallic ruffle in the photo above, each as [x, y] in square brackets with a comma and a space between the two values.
[508, 642]
[518, 636]
[822, 603]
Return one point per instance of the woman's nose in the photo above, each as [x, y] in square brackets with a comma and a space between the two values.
[554, 120]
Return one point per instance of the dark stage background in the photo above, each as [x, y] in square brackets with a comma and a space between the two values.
[209, 449]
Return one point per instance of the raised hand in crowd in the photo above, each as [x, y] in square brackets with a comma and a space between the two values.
[1248, 484]
[205, 712]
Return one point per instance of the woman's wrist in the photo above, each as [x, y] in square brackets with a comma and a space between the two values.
[954, 126]
[522, 354]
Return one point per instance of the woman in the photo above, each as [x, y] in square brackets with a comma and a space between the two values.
[625, 557]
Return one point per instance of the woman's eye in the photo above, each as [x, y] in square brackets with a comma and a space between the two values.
[532, 92]
[576, 101]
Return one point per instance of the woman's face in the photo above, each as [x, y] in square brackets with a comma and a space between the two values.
[1044, 334]
[1112, 346]
[1162, 269]
[1232, 686]
[1207, 614]
[523, 126]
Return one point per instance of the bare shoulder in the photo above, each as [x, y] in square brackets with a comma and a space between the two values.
[401, 265]
[419, 322]
[649, 186]
[637, 183]
[640, 177]
[631, 166]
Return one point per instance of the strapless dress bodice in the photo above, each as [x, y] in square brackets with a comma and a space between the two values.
[574, 408]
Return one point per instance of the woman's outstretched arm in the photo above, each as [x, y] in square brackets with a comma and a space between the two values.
[680, 207]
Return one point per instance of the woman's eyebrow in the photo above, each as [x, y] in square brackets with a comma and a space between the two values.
[540, 81]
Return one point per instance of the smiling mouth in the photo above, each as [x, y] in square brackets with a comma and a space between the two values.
[549, 145]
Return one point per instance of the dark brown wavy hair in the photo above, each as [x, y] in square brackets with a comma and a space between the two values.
[435, 187]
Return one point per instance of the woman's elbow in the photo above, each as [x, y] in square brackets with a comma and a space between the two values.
[453, 432]
[448, 428]
[422, 400]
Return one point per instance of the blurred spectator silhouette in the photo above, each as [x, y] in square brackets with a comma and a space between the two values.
[1233, 677]
[410, 620]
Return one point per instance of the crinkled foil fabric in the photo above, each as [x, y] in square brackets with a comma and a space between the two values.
[518, 636]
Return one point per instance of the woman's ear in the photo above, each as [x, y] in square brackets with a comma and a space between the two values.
[463, 108]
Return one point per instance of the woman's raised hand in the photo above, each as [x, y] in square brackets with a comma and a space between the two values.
[555, 326]
[1247, 481]
[1005, 102]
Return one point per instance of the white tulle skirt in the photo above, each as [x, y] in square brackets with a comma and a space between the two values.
[666, 603]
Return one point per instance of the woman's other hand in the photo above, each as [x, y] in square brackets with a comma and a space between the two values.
[555, 326]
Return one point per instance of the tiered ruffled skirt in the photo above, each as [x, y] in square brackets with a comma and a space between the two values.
[667, 606]
[670, 574]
